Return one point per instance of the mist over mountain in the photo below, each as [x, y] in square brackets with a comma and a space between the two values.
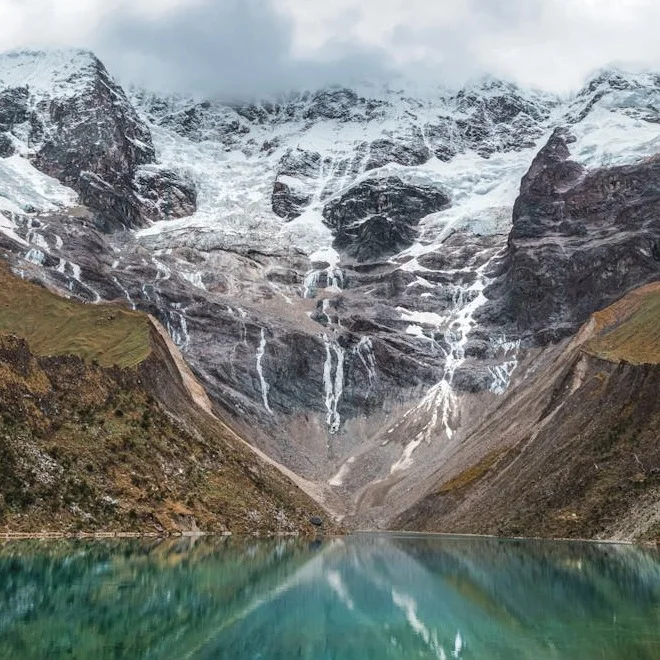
[250, 48]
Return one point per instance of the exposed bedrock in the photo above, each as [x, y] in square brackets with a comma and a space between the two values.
[364, 367]
[377, 217]
[91, 139]
[408, 151]
[164, 193]
[293, 187]
[580, 240]
[572, 450]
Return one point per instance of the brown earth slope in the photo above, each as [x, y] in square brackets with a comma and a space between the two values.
[102, 428]
[574, 451]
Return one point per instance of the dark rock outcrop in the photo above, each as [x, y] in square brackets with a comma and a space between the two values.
[498, 117]
[375, 237]
[194, 120]
[378, 216]
[13, 107]
[13, 112]
[331, 104]
[94, 145]
[92, 140]
[384, 151]
[165, 194]
[6, 146]
[579, 241]
[287, 202]
[292, 189]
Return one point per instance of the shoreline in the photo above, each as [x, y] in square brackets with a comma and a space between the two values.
[16, 536]
[45, 536]
[466, 535]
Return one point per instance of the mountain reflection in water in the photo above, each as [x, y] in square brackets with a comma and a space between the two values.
[367, 596]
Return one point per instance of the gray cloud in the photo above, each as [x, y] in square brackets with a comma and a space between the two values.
[243, 48]
[231, 48]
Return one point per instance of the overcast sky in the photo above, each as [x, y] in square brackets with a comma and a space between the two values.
[249, 47]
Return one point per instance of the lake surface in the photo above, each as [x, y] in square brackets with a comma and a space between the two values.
[361, 597]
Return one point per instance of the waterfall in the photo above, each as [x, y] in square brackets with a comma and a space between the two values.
[265, 387]
[333, 384]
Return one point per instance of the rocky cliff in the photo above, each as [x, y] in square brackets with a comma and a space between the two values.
[354, 275]
[64, 113]
[579, 240]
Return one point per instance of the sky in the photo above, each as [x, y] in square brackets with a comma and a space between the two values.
[244, 48]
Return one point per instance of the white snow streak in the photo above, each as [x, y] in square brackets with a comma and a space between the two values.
[22, 187]
[177, 326]
[265, 387]
[124, 290]
[440, 401]
[333, 384]
[365, 352]
[503, 372]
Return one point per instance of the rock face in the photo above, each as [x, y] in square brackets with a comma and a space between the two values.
[163, 193]
[498, 117]
[356, 275]
[579, 240]
[411, 151]
[296, 170]
[159, 460]
[77, 126]
[13, 111]
[377, 217]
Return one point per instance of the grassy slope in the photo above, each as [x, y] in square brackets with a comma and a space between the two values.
[629, 330]
[55, 326]
[89, 447]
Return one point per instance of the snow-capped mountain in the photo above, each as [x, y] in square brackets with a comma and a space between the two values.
[356, 275]
[63, 112]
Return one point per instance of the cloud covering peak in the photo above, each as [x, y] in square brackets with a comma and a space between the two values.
[244, 48]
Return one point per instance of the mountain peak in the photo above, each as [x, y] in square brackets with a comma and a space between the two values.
[618, 79]
[53, 72]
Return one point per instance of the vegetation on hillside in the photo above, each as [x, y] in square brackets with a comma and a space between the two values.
[586, 459]
[89, 447]
[54, 325]
[629, 330]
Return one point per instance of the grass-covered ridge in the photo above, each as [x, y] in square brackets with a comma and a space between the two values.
[629, 330]
[100, 432]
[87, 448]
[53, 325]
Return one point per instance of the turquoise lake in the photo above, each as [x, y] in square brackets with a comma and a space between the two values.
[360, 597]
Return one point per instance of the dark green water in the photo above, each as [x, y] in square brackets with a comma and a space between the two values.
[375, 597]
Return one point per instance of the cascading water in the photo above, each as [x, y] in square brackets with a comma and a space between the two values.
[365, 353]
[502, 373]
[440, 401]
[177, 326]
[265, 387]
[333, 381]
